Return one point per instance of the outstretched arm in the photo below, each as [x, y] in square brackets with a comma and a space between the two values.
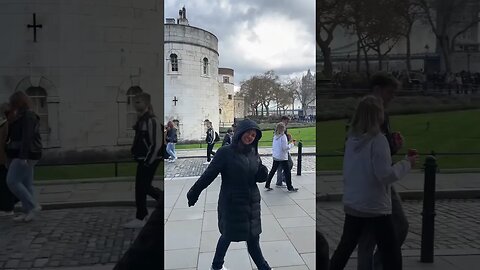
[207, 177]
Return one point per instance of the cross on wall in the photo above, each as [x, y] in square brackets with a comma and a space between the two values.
[175, 100]
[34, 26]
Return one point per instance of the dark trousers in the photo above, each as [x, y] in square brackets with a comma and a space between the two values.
[210, 151]
[146, 252]
[7, 199]
[143, 187]
[366, 245]
[286, 171]
[253, 245]
[323, 258]
[385, 237]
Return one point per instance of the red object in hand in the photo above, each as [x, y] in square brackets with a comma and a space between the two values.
[412, 152]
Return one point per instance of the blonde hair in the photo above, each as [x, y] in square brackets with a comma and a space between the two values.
[147, 99]
[368, 116]
[280, 128]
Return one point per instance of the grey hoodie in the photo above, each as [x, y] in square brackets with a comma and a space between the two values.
[368, 175]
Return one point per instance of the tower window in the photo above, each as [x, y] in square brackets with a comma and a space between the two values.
[205, 66]
[174, 62]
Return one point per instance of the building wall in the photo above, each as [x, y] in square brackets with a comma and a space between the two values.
[197, 94]
[240, 110]
[87, 56]
[227, 103]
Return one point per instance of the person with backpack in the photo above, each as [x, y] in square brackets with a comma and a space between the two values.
[228, 137]
[24, 150]
[239, 209]
[211, 139]
[147, 152]
[368, 175]
[171, 141]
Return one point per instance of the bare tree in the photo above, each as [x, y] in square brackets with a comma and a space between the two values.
[442, 15]
[330, 14]
[306, 91]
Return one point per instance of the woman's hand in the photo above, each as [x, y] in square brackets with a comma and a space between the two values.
[413, 160]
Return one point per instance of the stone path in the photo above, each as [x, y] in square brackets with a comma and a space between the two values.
[194, 166]
[288, 223]
[457, 229]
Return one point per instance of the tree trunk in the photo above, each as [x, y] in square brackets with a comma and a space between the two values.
[367, 64]
[327, 61]
[358, 56]
[380, 60]
[409, 53]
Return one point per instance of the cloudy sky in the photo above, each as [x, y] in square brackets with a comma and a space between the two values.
[256, 36]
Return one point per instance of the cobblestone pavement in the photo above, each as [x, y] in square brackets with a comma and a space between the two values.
[71, 237]
[188, 167]
[457, 226]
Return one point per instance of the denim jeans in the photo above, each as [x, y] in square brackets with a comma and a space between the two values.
[20, 182]
[367, 260]
[253, 246]
[171, 150]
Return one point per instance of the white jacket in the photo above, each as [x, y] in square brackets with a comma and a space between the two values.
[280, 147]
[368, 175]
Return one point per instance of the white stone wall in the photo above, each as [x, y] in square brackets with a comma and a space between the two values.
[240, 109]
[226, 105]
[87, 55]
[197, 94]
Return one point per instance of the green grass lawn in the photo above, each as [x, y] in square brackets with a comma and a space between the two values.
[449, 132]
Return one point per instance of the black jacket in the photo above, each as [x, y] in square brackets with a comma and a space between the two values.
[210, 139]
[239, 199]
[227, 140]
[148, 141]
[385, 127]
[24, 140]
[172, 135]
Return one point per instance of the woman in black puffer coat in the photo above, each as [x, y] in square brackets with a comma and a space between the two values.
[239, 200]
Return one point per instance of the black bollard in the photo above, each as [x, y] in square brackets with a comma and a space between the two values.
[428, 214]
[299, 158]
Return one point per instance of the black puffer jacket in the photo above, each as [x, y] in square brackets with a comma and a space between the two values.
[239, 199]
[24, 140]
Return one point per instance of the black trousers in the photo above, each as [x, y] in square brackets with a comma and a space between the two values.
[322, 255]
[253, 245]
[286, 170]
[385, 237]
[7, 199]
[143, 187]
[146, 252]
[210, 151]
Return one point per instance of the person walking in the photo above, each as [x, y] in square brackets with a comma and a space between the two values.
[280, 172]
[171, 141]
[368, 174]
[146, 151]
[227, 140]
[280, 157]
[384, 87]
[211, 139]
[7, 199]
[24, 150]
[239, 210]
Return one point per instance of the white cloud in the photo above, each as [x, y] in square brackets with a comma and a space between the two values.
[256, 36]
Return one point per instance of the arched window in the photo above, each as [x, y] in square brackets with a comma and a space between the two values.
[205, 66]
[38, 95]
[174, 62]
[131, 112]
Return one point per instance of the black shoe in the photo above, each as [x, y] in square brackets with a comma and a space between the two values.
[268, 188]
[293, 190]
